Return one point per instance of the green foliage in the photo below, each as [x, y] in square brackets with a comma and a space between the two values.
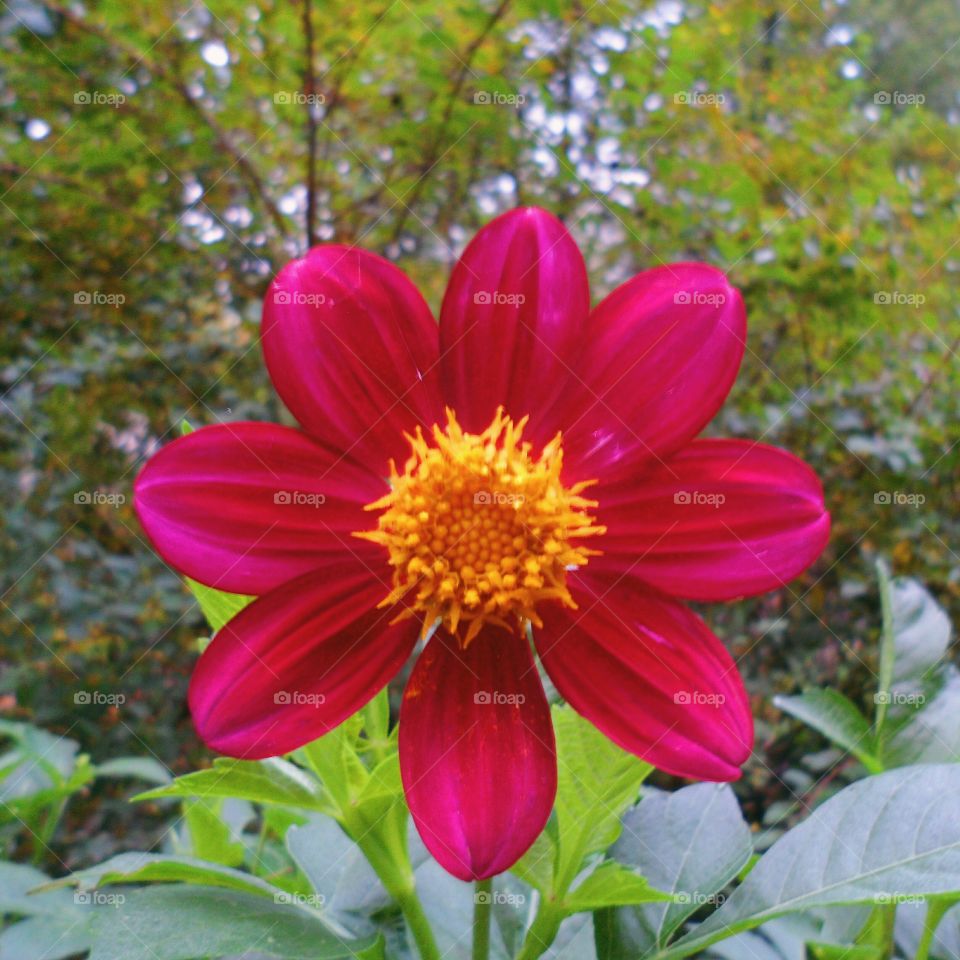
[918, 693]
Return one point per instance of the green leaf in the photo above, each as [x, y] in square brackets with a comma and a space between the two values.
[16, 883]
[273, 781]
[183, 923]
[834, 951]
[835, 716]
[921, 630]
[376, 717]
[337, 871]
[218, 607]
[927, 732]
[890, 837]
[141, 768]
[597, 781]
[335, 759]
[54, 937]
[211, 836]
[139, 867]
[611, 885]
[536, 865]
[39, 761]
[689, 844]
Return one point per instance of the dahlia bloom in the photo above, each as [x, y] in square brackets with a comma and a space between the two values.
[526, 463]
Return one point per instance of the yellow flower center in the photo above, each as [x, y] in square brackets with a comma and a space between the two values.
[478, 530]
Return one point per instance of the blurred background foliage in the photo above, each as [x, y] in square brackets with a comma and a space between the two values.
[160, 161]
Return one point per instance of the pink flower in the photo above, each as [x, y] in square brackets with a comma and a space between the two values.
[527, 460]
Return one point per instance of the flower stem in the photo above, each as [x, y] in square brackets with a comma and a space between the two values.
[935, 912]
[419, 925]
[482, 901]
[542, 931]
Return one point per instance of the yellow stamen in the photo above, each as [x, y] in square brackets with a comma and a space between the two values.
[480, 531]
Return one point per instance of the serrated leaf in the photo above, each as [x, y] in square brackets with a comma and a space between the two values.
[889, 837]
[273, 781]
[211, 837]
[611, 885]
[597, 781]
[182, 923]
[161, 868]
[689, 844]
[218, 607]
[835, 716]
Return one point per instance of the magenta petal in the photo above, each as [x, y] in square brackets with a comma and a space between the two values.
[351, 348]
[660, 355]
[512, 320]
[297, 662]
[648, 672]
[719, 520]
[244, 507]
[477, 752]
